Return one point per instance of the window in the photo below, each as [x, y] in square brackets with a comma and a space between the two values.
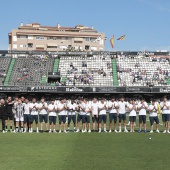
[48, 38]
[30, 45]
[14, 46]
[94, 48]
[93, 39]
[54, 38]
[63, 38]
[101, 42]
[30, 37]
[87, 39]
[51, 46]
[23, 45]
[87, 47]
[23, 37]
[39, 37]
[14, 38]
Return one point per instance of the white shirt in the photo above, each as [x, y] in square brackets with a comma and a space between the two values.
[154, 112]
[26, 108]
[94, 108]
[122, 107]
[103, 111]
[71, 108]
[34, 111]
[165, 110]
[142, 111]
[87, 109]
[61, 106]
[133, 112]
[113, 105]
[81, 112]
[43, 111]
[52, 107]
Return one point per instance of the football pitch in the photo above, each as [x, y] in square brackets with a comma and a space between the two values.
[85, 151]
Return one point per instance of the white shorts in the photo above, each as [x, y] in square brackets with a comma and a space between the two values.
[17, 119]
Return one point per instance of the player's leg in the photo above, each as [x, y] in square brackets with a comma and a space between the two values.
[110, 124]
[115, 121]
[46, 121]
[78, 122]
[64, 123]
[100, 120]
[74, 122]
[6, 123]
[50, 122]
[11, 121]
[69, 121]
[31, 123]
[124, 121]
[36, 121]
[104, 121]
[59, 125]
[54, 124]
[120, 120]
[157, 124]
[151, 124]
[41, 120]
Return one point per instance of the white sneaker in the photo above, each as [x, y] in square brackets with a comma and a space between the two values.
[37, 131]
[131, 131]
[60, 131]
[115, 131]
[157, 131]
[65, 131]
[120, 131]
[105, 131]
[24, 131]
[164, 131]
[151, 131]
[49, 131]
[89, 131]
[126, 131]
[83, 131]
[168, 131]
[99, 132]
[3, 131]
[54, 131]
[110, 131]
[78, 130]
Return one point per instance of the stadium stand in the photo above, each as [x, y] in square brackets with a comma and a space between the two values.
[4, 65]
[86, 71]
[31, 70]
[143, 71]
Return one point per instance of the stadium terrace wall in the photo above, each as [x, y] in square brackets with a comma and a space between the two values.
[67, 53]
[65, 89]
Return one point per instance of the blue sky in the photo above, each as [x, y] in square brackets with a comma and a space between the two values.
[146, 23]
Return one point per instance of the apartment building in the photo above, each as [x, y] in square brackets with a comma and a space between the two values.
[55, 38]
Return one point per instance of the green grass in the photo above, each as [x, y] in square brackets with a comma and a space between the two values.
[77, 151]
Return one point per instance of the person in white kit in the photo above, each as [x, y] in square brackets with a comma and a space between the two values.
[26, 114]
[113, 107]
[165, 107]
[81, 115]
[132, 115]
[52, 108]
[94, 108]
[87, 116]
[62, 114]
[153, 116]
[142, 107]
[43, 116]
[19, 117]
[72, 108]
[122, 113]
[33, 115]
[102, 114]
